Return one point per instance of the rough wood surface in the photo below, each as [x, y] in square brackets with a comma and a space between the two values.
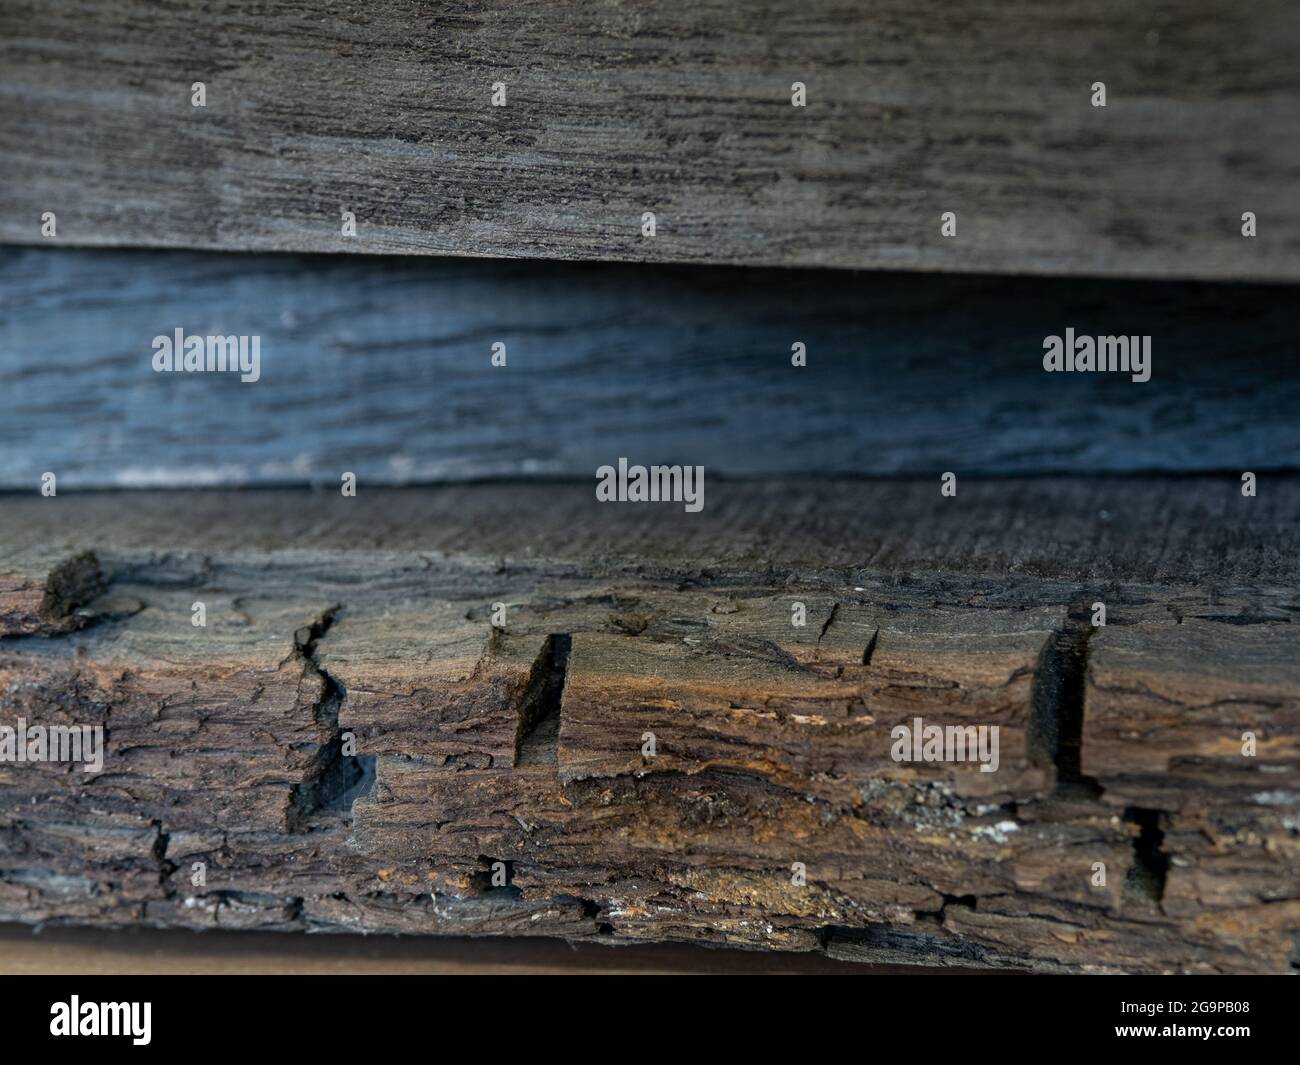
[523, 745]
[913, 109]
[381, 366]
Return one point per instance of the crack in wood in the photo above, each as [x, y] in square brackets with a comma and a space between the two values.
[538, 737]
[830, 620]
[870, 649]
[1057, 705]
[337, 779]
[1146, 876]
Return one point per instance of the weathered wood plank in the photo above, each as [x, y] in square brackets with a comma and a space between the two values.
[524, 745]
[913, 109]
[382, 367]
[1195, 531]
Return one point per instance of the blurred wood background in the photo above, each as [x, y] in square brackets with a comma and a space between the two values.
[94, 952]
[382, 366]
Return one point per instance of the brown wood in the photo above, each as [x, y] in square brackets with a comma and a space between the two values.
[524, 745]
[913, 109]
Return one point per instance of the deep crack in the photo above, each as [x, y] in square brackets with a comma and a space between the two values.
[537, 738]
[830, 620]
[870, 650]
[336, 779]
[1057, 705]
[1146, 877]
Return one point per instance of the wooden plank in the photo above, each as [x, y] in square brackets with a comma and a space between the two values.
[524, 745]
[382, 367]
[913, 109]
[1190, 531]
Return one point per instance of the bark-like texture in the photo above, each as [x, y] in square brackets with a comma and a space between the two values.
[914, 109]
[525, 745]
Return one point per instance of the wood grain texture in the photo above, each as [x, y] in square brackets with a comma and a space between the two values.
[1196, 531]
[381, 366]
[1190, 531]
[523, 745]
[981, 108]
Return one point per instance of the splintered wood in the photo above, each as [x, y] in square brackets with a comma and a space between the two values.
[653, 750]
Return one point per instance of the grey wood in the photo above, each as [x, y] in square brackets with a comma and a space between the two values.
[1188, 531]
[981, 107]
[381, 366]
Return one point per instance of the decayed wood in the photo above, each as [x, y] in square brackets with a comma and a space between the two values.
[524, 745]
[913, 109]
[382, 367]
